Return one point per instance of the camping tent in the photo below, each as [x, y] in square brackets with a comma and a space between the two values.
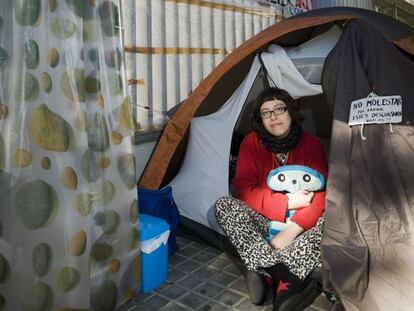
[370, 192]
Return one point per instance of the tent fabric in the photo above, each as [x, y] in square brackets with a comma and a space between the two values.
[176, 128]
[317, 47]
[309, 57]
[368, 244]
[292, 31]
[385, 24]
[199, 183]
[283, 73]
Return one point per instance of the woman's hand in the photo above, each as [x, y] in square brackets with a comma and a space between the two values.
[300, 199]
[285, 237]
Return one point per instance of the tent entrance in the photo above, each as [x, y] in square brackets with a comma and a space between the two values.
[204, 173]
[318, 121]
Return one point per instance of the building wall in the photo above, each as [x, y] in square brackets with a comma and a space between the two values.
[364, 4]
[171, 45]
[402, 10]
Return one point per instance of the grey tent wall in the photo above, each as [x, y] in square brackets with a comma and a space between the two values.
[370, 192]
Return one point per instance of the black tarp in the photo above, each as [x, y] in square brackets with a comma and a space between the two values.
[368, 244]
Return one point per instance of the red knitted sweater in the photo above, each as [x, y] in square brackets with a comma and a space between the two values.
[254, 164]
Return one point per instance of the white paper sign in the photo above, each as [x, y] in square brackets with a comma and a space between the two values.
[376, 109]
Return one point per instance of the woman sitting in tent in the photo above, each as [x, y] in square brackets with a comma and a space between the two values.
[292, 254]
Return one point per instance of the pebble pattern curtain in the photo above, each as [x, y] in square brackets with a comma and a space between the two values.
[68, 205]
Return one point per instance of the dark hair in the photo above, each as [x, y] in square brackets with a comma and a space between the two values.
[270, 94]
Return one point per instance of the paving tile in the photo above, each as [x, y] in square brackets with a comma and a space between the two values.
[192, 300]
[183, 239]
[213, 306]
[229, 298]
[220, 263]
[246, 305]
[213, 250]
[239, 285]
[209, 289]
[189, 266]
[224, 279]
[234, 269]
[176, 259]
[130, 307]
[212, 280]
[175, 274]
[322, 302]
[138, 307]
[141, 296]
[173, 292]
[190, 281]
[175, 307]
[188, 251]
[156, 302]
[162, 286]
[229, 257]
[203, 257]
[206, 272]
[199, 245]
[316, 308]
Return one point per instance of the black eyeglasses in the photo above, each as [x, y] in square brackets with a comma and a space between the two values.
[277, 111]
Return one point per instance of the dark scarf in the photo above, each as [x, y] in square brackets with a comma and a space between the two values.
[281, 145]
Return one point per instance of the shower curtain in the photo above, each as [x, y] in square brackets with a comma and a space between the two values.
[68, 204]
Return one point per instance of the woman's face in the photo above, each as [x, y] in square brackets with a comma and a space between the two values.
[276, 118]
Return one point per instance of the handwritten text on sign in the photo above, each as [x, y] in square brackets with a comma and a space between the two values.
[377, 109]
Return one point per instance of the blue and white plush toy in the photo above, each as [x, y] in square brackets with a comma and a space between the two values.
[290, 179]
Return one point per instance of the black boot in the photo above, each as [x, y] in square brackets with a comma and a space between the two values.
[257, 285]
[292, 293]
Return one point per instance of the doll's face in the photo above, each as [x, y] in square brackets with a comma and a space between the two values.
[292, 178]
[275, 117]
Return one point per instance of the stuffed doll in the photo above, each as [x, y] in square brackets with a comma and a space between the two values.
[290, 179]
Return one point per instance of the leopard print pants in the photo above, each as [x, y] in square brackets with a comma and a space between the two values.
[246, 230]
